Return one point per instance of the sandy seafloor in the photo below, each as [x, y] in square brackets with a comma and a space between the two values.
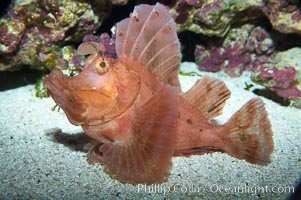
[38, 161]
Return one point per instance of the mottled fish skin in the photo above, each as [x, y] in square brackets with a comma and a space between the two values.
[135, 111]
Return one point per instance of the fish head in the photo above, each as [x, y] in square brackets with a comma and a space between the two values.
[102, 91]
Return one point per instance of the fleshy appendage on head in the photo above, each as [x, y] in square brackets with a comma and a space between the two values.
[90, 48]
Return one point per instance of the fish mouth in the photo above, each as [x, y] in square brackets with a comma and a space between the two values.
[54, 85]
[82, 103]
[52, 82]
[57, 87]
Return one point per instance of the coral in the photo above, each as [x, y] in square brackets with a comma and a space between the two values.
[235, 35]
[240, 43]
[212, 17]
[215, 17]
[241, 50]
[285, 16]
[37, 32]
[282, 75]
[11, 32]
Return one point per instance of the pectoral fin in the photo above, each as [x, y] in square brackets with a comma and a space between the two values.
[143, 142]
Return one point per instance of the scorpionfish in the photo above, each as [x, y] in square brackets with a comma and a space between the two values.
[134, 109]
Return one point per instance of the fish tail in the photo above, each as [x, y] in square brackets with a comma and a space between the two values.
[249, 134]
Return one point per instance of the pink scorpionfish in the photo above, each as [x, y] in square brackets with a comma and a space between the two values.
[135, 111]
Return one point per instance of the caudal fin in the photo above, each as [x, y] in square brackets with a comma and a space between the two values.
[250, 136]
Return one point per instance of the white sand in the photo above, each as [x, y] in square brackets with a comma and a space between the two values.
[39, 162]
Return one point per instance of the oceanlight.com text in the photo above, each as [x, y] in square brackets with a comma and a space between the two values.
[214, 188]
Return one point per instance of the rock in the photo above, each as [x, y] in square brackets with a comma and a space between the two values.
[35, 32]
[282, 75]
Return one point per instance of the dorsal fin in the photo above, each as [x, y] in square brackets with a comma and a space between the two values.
[208, 95]
[149, 37]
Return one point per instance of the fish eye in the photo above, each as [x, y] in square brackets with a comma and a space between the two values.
[102, 65]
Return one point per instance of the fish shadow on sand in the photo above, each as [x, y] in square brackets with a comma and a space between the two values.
[75, 142]
[272, 96]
